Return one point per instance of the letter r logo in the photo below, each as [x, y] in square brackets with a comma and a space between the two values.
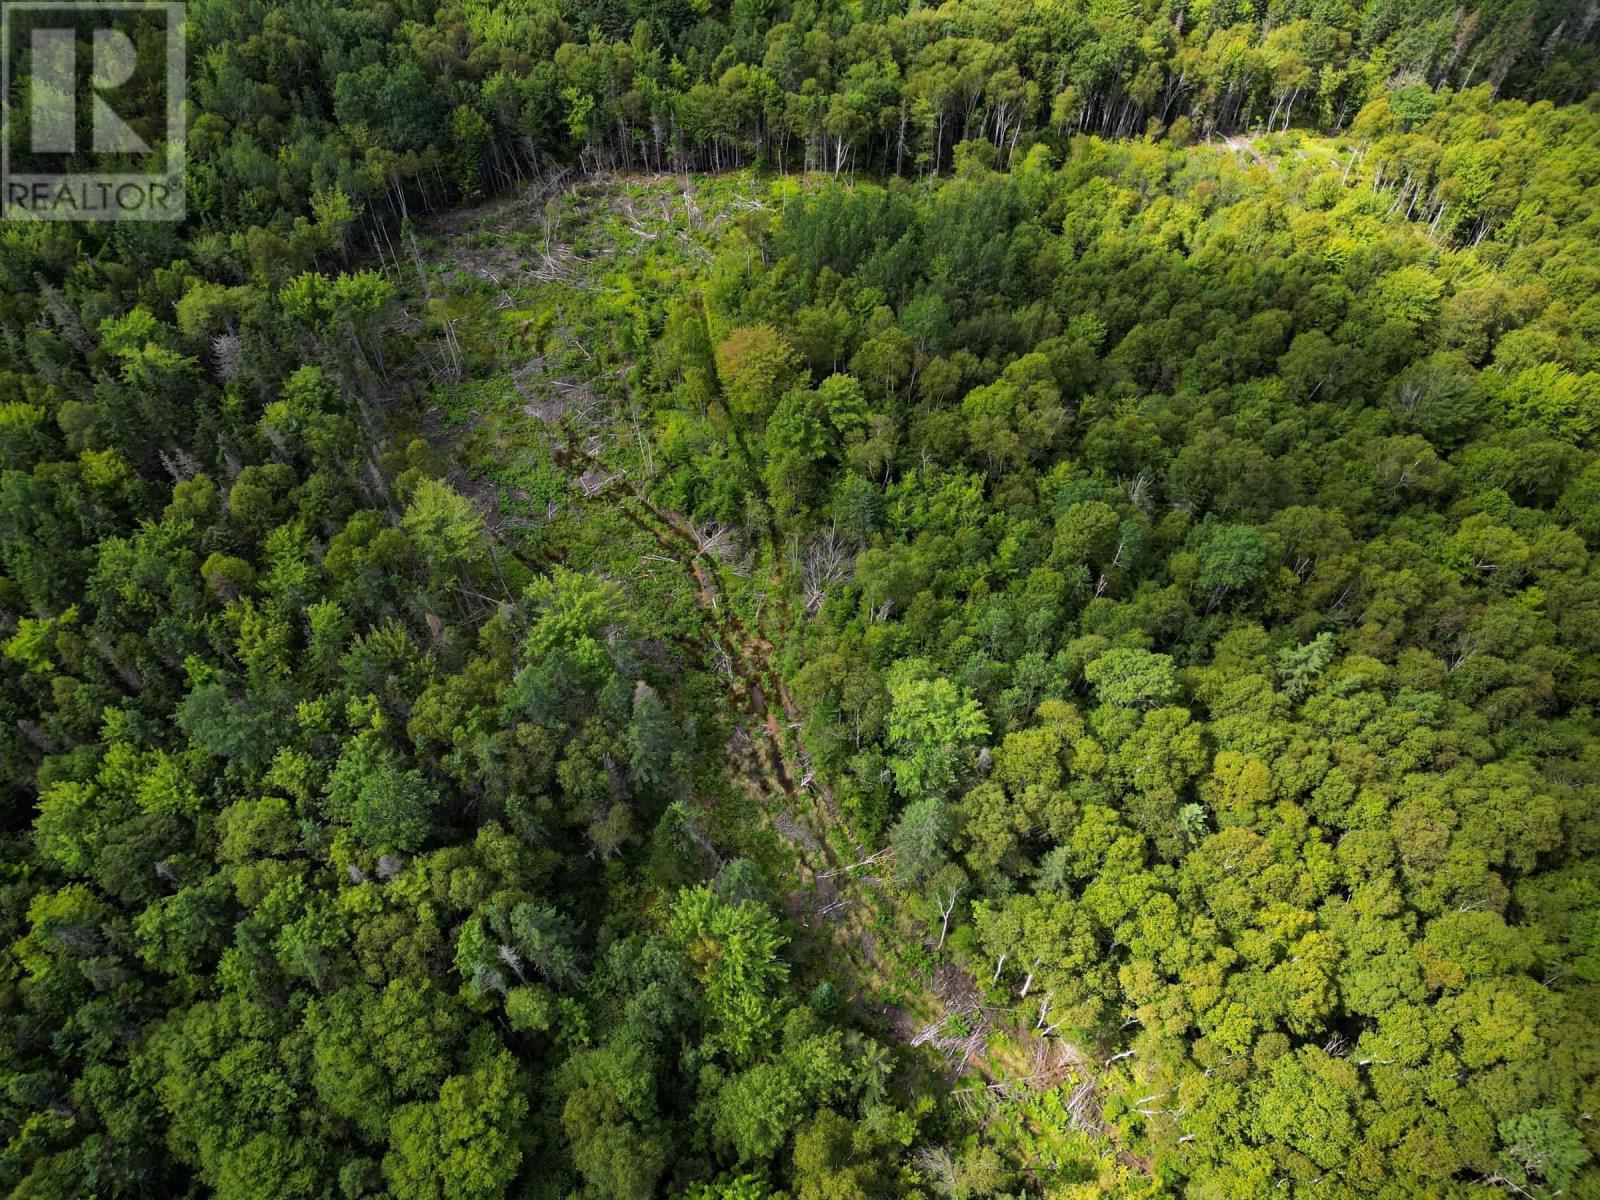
[55, 86]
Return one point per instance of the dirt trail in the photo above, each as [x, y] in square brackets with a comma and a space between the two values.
[837, 901]
[750, 653]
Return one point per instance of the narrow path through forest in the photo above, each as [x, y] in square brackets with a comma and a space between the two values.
[836, 900]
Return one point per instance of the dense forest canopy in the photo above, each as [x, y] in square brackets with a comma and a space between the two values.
[815, 601]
